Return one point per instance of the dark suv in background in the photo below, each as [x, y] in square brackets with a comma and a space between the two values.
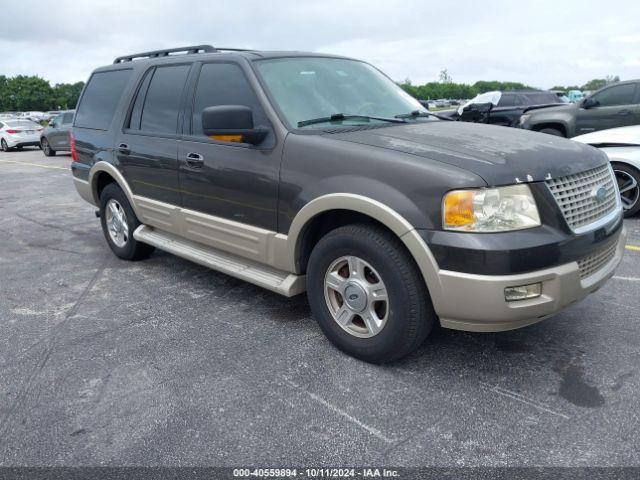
[616, 105]
[56, 136]
[308, 172]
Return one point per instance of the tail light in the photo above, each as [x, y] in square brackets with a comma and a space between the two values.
[74, 152]
[13, 131]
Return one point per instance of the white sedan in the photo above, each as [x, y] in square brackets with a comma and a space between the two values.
[16, 133]
[622, 146]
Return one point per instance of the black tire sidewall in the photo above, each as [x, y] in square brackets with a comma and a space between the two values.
[393, 337]
[4, 145]
[48, 151]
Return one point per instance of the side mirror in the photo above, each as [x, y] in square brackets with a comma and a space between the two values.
[589, 102]
[232, 123]
[52, 123]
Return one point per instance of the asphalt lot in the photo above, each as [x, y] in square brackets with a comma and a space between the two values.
[163, 362]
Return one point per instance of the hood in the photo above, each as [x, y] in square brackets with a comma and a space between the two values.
[560, 107]
[500, 155]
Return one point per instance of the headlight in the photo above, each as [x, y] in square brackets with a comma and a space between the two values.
[490, 209]
[524, 118]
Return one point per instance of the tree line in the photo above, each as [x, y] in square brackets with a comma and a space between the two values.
[446, 88]
[24, 93]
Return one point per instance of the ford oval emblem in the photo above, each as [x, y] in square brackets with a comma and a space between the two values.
[599, 194]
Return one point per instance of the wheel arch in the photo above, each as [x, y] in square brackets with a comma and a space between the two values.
[361, 207]
[103, 173]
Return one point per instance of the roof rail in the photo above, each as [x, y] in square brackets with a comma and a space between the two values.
[163, 53]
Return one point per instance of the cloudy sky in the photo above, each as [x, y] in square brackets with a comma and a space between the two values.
[541, 43]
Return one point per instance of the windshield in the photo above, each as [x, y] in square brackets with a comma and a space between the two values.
[307, 88]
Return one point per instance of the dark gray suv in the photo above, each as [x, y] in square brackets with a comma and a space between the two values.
[56, 136]
[306, 172]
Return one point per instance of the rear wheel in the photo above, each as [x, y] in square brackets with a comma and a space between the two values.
[629, 185]
[4, 145]
[552, 131]
[118, 224]
[367, 294]
[46, 148]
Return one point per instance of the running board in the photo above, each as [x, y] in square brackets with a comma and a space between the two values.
[278, 281]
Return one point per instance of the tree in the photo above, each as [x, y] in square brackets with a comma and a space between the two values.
[445, 77]
[24, 93]
[65, 95]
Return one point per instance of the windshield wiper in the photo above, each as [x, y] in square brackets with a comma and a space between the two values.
[418, 113]
[342, 116]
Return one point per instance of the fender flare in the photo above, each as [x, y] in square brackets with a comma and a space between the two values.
[103, 166]
[395, 222]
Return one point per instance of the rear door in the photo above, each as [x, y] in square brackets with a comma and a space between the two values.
[65, 130]
[147, 146]
[615, 108]
[234, 181]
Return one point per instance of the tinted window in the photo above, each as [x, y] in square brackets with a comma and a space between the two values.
[160, 111]
[136, 112]
[100, 99]
[541, 98]
[618, 95]
[67, 118]
[224, 84]
[507, 100]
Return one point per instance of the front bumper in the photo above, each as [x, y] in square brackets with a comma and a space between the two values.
[473, 302]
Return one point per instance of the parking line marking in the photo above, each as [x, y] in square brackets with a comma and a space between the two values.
[36, 165]
[373, 431]
[628, 279]
[521, 398]
[635, 248]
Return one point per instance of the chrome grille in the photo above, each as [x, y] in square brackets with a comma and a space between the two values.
[573, 193]
[594, 262]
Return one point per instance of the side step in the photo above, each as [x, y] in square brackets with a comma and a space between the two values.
[278, 281]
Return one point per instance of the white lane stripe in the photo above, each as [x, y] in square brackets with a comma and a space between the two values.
[628, 279]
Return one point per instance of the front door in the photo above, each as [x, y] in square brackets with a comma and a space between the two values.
[235, 185]
[148, 147]
[615, 107]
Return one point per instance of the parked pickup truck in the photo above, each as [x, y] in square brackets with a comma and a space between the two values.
[616, 105]
[306, 172]
[503, 108]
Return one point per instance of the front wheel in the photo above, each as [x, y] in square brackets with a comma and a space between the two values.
[4, 145]
[367, 294]
[628, 179]
[118, 224]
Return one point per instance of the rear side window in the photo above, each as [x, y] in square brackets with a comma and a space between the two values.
[224, 84]
[507, 100]
[162, 100]
[100, 99]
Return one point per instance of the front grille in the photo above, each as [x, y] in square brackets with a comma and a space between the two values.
[573, 193]
[594, 262]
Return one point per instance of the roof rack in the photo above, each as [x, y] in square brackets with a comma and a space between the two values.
[164, 53]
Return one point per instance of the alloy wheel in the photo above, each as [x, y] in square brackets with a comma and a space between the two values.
[356, 296]
[116, 220]
[629, 189]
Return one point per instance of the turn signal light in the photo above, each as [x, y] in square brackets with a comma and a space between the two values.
[458, 209]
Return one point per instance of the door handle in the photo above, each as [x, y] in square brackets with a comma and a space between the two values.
[195, 160]
[124, 149]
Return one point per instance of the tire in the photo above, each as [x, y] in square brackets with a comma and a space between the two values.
[125, 246]
[407, 314]
[629, 184]
[46, 147]
[4, 146]
[19, 148]
[552, 131]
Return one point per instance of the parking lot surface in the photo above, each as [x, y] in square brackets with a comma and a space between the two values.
[164, 362]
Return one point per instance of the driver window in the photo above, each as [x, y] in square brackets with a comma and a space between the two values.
[616, 95]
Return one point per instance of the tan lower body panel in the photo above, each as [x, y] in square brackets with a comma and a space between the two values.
[278, 281]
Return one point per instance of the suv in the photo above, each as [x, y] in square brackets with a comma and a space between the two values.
[308, 172]
[616, 105]
[56, 136]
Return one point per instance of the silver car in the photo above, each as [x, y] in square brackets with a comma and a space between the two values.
[622, 146]
[55, 137]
